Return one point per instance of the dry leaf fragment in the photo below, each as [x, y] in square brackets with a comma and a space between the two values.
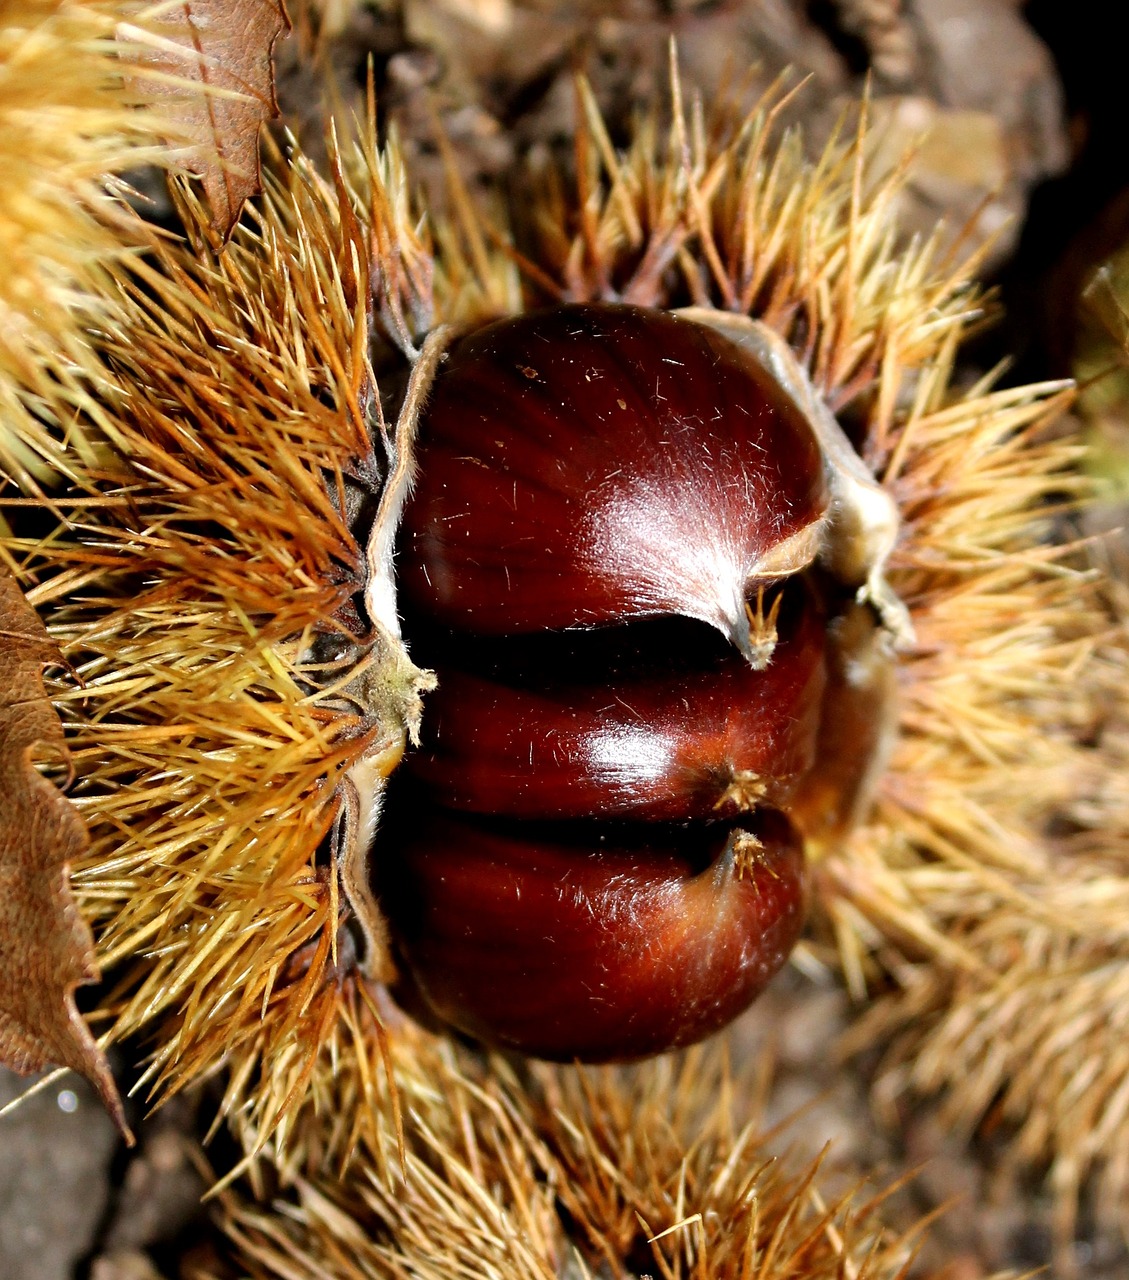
[228, 50]
[46, 949]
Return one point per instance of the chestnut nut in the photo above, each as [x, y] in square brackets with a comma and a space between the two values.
[619, 557]
[595, 464]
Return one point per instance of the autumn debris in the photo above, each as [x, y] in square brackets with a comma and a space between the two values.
[46, 948]
[207, 67]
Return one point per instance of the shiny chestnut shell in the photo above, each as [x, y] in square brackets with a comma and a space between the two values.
[591, 464]
[674, 739]
[590, 941]
[594, 858]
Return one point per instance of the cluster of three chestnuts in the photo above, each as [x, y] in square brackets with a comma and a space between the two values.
[621, 560]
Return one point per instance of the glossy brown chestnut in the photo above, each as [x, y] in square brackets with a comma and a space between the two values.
[595, 942]
[710, 742]
[596, 852]
[596, 463]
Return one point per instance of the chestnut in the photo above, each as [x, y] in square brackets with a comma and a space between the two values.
[590, 464]
[591, 941]
[712, 740]
[649, 574]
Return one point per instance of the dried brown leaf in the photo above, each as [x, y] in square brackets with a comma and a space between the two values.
[227, 52]
[46, 949]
